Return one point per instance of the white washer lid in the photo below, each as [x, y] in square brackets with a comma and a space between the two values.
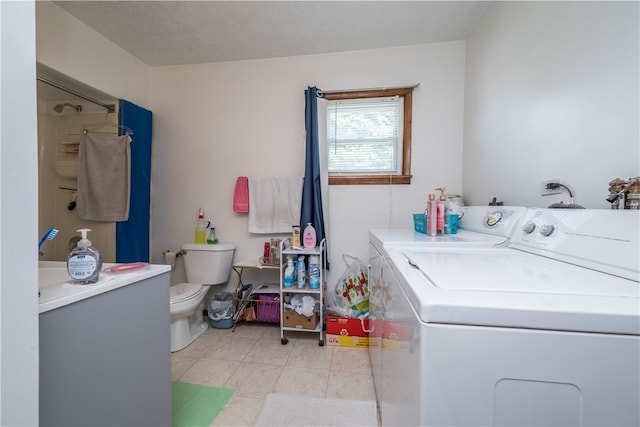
[510, 288]
[183, 291]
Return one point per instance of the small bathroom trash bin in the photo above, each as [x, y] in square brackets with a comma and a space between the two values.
[221, 310]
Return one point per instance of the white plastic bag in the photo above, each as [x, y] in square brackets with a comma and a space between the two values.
[350, 297]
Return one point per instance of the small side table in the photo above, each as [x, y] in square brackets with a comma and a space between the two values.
[241, 301]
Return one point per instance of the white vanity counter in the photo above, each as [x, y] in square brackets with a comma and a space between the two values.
[56, 289]
[105, 348]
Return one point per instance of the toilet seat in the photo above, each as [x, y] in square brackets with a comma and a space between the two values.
[184, 291]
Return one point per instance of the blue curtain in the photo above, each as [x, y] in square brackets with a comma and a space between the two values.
[311, 211]
[132, 236]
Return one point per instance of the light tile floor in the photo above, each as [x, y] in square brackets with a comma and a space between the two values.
[252, 361]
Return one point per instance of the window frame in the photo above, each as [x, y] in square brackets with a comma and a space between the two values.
[377, 179]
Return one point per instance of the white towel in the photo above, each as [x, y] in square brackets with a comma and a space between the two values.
[274, 204]
[104, 183]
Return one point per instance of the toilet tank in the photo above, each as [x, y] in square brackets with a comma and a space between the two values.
[208, 264]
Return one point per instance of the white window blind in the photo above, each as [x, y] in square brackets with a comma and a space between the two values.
[364, 136]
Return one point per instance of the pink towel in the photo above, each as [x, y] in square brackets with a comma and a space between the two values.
[241, 195]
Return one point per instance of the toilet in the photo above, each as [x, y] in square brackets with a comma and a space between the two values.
[205, 265]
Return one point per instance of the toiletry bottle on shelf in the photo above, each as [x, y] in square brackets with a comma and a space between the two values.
[432, 215]
[211, 238]
[201, 229]
[309, 236]
[314, 272]
[295, 236]
[84, 261]
[440, 210]
[289, 273]
[301, 273]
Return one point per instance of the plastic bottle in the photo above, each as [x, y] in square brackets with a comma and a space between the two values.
[440, 210]
[211, 238]
[309, 236]
[314, 272]
[201, 229]
[84, 261]
[301, 273]
[289, 274]
[432, 215]
[295, 236]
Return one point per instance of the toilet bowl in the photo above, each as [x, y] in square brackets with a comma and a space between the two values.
[205, 266]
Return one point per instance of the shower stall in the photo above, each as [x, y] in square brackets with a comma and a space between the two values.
[64, 111]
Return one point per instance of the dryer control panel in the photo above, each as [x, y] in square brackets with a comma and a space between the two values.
[603, 240]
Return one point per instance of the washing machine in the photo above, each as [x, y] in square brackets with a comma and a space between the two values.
[391, 325]
[544, 331]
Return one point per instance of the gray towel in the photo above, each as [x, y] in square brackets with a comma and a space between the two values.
[104, 164]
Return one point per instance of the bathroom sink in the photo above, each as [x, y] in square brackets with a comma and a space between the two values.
[51, 273]
[56, 290]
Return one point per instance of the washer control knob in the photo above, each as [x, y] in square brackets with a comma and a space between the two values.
[547, 229]
[494, 218]
[529, 227]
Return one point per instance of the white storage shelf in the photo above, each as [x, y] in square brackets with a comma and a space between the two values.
[286, 250]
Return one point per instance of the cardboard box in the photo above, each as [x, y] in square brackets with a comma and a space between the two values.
[291, 319]
[347, 327]
[347, 341]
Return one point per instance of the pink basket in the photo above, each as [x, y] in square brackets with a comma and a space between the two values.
[268, 308]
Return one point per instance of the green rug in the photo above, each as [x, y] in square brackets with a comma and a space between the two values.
[197, 405]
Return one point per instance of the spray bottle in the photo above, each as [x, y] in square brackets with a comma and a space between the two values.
[201, 229]
[84, 261]
[212, 239]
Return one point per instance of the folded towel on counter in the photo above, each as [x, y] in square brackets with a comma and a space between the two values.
[275, 204]
[241, 195]
[104, 183]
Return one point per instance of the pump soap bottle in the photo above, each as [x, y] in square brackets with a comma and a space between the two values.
[440, 205]
[432, 215]
[84, 261]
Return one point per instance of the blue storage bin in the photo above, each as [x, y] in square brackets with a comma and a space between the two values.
[420, 223]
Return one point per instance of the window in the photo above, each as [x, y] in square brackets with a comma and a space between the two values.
[369, 136]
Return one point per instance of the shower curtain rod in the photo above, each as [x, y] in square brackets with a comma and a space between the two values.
[111, 108]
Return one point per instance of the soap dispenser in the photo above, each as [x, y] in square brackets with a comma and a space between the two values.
[84, 261]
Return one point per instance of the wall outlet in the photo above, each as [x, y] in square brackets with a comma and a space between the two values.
[548, 191]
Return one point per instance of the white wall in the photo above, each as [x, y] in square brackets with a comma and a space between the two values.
[18, 217]
[214, 122]
[68, 46]
[552, 91]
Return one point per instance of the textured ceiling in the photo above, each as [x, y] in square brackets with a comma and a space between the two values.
[165, 33]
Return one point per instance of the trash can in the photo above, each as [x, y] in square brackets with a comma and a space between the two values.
[221, 310]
